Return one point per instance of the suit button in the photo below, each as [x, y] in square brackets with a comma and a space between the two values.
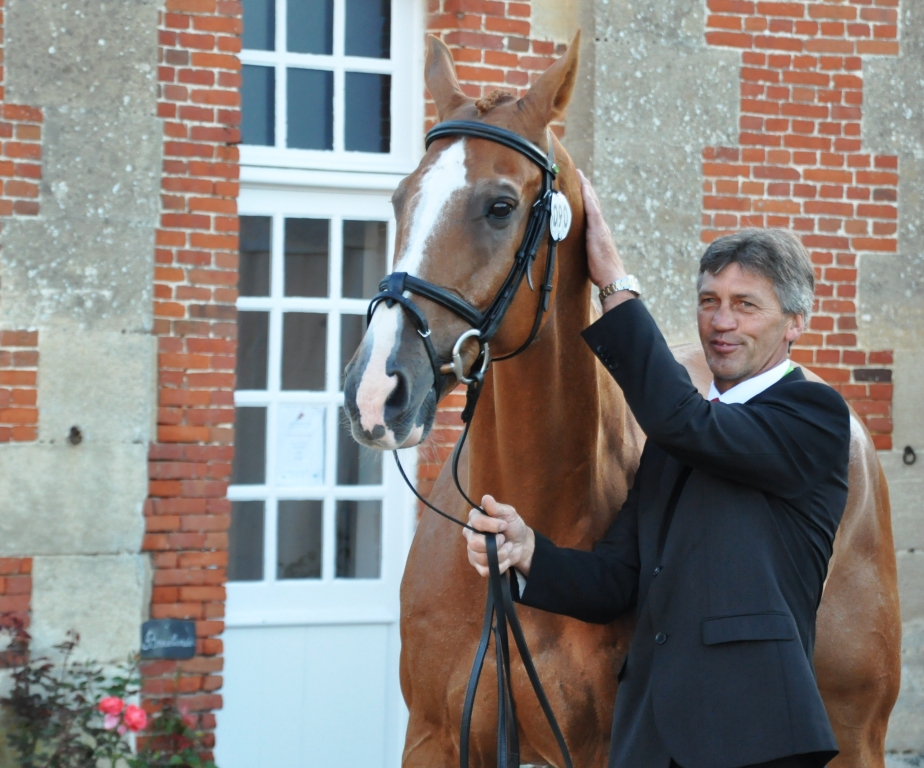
[660, 638]
[657, 570]
[600, 349]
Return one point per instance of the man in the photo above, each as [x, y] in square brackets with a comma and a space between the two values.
[722, 546]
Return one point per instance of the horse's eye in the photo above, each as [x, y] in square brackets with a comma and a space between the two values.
[500, 210]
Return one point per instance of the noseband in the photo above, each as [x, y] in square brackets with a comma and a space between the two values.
[549, 212]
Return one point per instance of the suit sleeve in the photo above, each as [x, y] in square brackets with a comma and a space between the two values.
[784, 444]
[596, 586]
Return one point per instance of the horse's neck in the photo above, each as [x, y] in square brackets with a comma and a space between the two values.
[551, 434]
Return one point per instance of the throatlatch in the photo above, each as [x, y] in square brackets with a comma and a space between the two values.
[550, 212]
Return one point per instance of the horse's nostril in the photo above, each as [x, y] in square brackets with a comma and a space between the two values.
[398, 399]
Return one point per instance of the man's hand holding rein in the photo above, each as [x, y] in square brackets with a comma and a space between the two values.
[516, 541]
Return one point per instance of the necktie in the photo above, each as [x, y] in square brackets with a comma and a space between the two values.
[714, 400]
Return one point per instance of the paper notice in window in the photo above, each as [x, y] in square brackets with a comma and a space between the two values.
[300, 445]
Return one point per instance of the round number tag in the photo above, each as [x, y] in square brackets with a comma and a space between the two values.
[560, 219]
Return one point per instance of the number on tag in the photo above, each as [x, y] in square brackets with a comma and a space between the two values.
[560, 218]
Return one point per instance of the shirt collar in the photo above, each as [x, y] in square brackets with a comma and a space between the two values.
[741, 393]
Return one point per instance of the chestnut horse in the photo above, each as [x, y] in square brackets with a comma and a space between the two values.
[553, 436]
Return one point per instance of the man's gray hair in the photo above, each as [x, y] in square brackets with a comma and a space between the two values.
[776, 254]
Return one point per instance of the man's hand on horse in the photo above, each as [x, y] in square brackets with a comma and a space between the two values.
[603, 260]
[516, 541]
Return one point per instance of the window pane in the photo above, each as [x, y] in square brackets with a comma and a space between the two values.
[258, 100]
[259, 24]
[365, 256]
[368, 28]
[304, 350]
[352, 328]
[307, 255]
[245, 541]
[310, 26]
[356, 464]
[254, 275]
[299, 549]
[252, 346]
[310, 109]
[359, 539]
[368, 112]
[249, 465]
[299, 445]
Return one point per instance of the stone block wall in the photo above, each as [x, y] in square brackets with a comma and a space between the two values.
[79, 166]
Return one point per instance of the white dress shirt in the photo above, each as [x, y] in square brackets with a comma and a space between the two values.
[740, 393]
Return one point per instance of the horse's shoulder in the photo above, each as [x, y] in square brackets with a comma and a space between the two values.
[691, 357]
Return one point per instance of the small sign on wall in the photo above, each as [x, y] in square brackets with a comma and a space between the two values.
[300, 445]
[168, 639]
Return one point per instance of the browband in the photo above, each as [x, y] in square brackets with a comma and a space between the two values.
[496, 134]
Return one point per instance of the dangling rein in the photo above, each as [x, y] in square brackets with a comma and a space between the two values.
[550, 212]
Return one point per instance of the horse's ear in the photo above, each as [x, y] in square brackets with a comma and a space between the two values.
[440, 76]
[548, 99]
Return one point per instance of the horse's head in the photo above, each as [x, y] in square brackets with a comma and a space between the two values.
[461, 217]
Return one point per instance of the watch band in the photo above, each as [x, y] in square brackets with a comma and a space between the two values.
[627, 283]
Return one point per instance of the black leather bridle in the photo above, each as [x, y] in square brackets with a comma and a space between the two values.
[499, 608]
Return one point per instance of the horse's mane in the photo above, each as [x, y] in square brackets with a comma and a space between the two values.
[492, 100]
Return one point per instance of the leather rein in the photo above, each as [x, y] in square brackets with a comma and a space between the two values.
[550, 214]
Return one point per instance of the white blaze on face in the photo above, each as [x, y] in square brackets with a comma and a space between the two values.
[445, 177]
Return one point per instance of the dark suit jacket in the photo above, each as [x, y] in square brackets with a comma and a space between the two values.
[722, 549]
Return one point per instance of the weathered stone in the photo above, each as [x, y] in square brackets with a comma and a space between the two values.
[554, 19]
[103, 598]
[661, 96]
[82, 52]
[905, 724]
[66, 499]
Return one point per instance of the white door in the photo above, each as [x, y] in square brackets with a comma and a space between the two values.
[332, 119]
[320, 526]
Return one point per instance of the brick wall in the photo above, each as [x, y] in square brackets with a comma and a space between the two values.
[15, 600]
[187, 513]
[18, 386]
[800, 164]
[20, 173]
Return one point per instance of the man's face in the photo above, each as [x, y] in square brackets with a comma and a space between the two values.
[742, 326]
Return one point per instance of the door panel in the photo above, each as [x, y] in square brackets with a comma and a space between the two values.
[320, 526]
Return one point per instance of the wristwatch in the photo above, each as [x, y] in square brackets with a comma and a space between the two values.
[627, 283]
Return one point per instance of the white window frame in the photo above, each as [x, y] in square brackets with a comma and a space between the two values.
[327, 599]
[407, 116]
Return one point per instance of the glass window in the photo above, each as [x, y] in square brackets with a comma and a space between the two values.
[310, 26]
[304, 350]
[252, 349]
[259, 25]
[359, 539]
[368, 112]
[356, 464]
[258, 105]
[305, 281]
[245, 541]
[365, 258]
[254, 266]
[310, 109]
[368, 28]
[337, 91]
[299, 552]
[307, 255]
[249, 465]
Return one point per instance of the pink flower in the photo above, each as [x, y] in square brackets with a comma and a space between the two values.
[135, 718]
[110, 722]
[111, 705]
